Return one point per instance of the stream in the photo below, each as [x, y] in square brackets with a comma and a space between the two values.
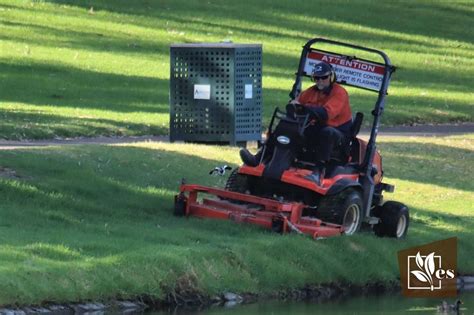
[372, 304]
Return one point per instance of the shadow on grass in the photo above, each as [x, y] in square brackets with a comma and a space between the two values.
[63, 86]
[33, 125]
[74, 89]
[439, 165]
[84, 39]
[442, 17]
[425, 217]
[127, 44]
[187, 20]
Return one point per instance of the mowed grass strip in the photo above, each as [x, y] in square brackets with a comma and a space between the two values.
[95, 222]
[93, 68]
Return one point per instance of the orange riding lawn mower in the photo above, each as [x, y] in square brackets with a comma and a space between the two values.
[280, 195]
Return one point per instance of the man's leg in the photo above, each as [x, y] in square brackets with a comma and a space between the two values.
[324, 139]
[250, 159]
[327, 138]
[253, 160]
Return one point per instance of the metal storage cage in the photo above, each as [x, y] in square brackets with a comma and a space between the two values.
[216, 93]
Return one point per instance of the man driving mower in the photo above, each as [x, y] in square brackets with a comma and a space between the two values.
[328, 105]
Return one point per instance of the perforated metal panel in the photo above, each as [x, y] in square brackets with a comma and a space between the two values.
[215, 92]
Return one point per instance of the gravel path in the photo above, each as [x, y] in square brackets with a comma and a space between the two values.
[418, 131]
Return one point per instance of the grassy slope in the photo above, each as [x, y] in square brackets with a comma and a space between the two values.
[70, 71]
[90, 222]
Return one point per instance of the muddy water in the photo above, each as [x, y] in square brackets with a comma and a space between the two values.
[387, 304]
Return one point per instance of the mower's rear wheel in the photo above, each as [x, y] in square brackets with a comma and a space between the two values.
[394, 220]
[345, 209]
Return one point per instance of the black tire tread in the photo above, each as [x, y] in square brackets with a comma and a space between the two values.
[179, 207]
[332, 208]
[389, 215]
[237, 182]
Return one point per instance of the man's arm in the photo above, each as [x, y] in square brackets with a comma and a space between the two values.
[318, 113]
[336, 104]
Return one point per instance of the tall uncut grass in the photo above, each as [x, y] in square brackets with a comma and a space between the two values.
[96, 67]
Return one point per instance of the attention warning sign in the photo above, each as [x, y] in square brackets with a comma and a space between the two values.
[354, 72]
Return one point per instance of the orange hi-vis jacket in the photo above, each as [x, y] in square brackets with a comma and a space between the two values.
[336, 103]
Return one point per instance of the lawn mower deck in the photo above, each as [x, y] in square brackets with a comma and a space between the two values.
[279, 216]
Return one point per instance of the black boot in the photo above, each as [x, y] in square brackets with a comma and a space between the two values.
[250, 159]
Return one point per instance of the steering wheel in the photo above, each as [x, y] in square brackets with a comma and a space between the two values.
[296, 109]
[300, 109]
[293, 109]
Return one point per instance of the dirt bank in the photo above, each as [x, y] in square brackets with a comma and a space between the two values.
[188, 298]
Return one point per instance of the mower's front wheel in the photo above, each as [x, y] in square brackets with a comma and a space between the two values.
[394, 220]
[237, 182]
[345, 209]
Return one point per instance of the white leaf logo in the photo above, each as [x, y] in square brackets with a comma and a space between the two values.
[429, 264]
[427, 267]
[419, 261]
[420, 276]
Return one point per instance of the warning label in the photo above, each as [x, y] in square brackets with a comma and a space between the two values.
[354, 72]
[202, 92]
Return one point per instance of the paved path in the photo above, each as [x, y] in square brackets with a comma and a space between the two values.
[418, 131]
[426, 130]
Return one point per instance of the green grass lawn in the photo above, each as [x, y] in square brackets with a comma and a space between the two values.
[97, 67]
[95, 222]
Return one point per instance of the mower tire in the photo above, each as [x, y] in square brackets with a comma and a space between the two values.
[277, 225]
[237, 182]
[179, 206]
[344, 208]
[394, 220]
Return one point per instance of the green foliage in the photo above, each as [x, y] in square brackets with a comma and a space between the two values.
[97, 67]
[95, 222]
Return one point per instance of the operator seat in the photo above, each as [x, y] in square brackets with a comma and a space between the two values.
[343, 151]
[353, 149]
[356, 124]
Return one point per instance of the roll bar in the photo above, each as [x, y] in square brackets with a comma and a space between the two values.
[366, 167]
